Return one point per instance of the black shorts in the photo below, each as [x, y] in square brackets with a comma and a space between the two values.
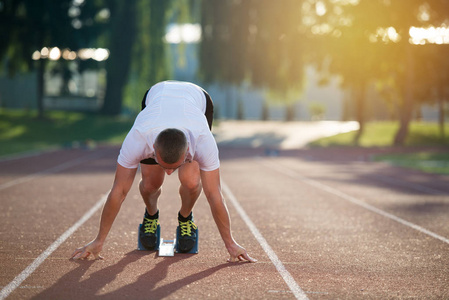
[209, 116]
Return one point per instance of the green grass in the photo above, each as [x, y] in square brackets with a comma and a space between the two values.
[381, 134]
[428, 162]
[22, 131]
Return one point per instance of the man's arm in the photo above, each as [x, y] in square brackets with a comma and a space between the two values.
[122, 183]
[212, 189]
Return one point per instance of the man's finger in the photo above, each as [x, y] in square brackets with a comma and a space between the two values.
[77, 251]
[82, 255]
[77, 254]
[231, 258]
[247, 257]
[98, 256]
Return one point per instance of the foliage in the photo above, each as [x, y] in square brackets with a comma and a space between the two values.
[381, 134]
[262, 43]
[429, 162]
[22, 131]
[131, 30]
[317, 111]
[149, 64]
[30, 25]
[254, 41]
[366, 42]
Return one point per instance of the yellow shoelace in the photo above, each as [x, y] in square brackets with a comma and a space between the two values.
[186, 227]
[150, 225]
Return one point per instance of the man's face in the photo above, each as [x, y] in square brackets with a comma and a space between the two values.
[170, 168]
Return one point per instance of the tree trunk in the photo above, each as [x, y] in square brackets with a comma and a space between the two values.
[265, 111]
[40, 88]
[290, 112]
[406, 110]
[360, 97]
[441, 113]
[240, 110]
[123, 15]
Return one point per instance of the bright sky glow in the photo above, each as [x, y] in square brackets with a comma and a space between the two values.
[54, 54]
[183, 33]
[98, 54]
[429, 35]
[320, 8]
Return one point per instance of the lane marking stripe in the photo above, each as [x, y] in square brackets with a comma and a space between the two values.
[353, 200]
[41, 258]
[294, 287]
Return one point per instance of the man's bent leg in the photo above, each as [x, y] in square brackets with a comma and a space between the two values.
[150, 186]
[190, 189]
[150, 189]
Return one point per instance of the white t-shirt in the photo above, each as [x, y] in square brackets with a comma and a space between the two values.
[171, 104]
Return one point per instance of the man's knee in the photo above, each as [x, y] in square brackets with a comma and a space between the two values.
[147, 186]
[191, 184]
[189, 176]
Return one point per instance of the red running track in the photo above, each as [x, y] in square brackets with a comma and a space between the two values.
[323, 224]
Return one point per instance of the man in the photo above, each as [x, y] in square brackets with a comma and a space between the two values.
[172, 132]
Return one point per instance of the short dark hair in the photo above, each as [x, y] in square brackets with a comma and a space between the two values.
[171, 144]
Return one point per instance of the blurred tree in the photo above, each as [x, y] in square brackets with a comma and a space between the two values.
[254, 41]
[132, 31]
[121, 38]
[366, 41]
[338, 31]
[432, 78]
[413, 65]
[317, 111]
[27, 26]
[149, 61]
[137, 50]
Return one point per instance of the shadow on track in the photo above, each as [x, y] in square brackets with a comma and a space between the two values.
[73, 286]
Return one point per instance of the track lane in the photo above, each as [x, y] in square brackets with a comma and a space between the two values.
[345, 251]
[331, 248]
[422, 199]
[58, 277]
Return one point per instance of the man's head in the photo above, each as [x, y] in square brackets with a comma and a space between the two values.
[170, 146]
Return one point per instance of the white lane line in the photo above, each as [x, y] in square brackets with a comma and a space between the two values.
[41, 258]
[54, 169]
[294, 287]
[353, 200]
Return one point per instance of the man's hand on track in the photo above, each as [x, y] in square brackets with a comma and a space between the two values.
[93, 248]
[238, 253]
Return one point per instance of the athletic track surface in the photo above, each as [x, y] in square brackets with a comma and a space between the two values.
[323, 224]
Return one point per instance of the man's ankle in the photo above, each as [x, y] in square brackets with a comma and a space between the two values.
[152, 217]
[185, 219]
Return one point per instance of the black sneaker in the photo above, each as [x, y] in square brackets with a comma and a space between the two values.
[148, 233]
[187, 235]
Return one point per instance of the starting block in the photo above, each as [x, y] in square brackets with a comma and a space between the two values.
[167, 247]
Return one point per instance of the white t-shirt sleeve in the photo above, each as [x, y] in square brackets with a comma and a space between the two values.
[206, 153]
[133, 150]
